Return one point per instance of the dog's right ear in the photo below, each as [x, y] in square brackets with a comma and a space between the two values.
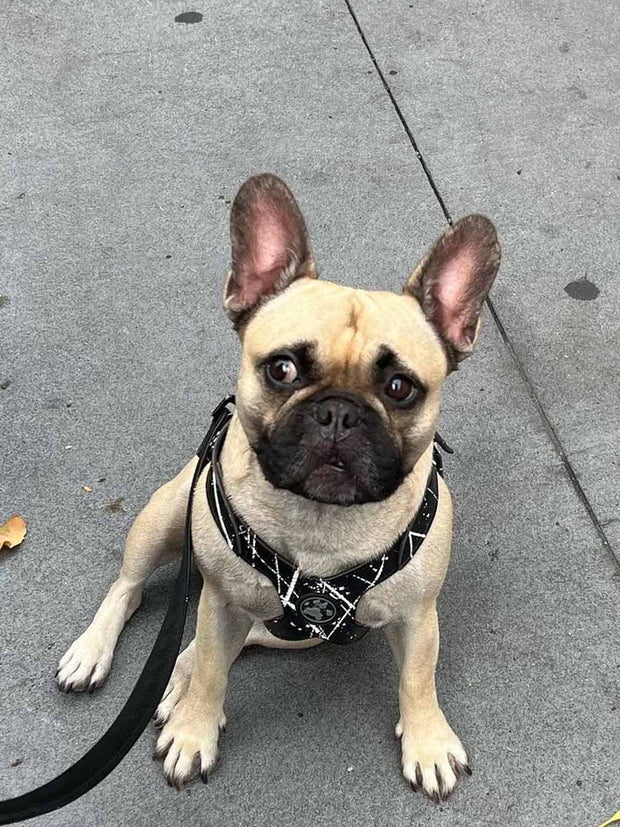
[270, 246]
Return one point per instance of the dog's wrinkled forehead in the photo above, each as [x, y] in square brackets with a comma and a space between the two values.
[346, 331]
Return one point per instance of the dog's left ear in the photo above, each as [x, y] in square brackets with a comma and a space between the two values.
[270, 246]
[453, 280]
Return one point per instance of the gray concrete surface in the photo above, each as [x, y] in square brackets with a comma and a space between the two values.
[516, 106]
[124, 135]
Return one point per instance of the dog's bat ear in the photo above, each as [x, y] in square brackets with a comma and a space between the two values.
[270, 246]
[453, 280]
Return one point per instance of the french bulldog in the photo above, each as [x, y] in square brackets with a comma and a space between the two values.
[326, 458]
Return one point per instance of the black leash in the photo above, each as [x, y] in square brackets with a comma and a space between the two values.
[132, 720]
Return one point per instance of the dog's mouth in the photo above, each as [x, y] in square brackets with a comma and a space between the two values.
[332, 461]
[334, 480]
[331, 482]
[334, 477]
[336, 465]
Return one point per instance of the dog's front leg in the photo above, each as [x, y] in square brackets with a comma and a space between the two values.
[432, 755]
[155, 538]
[189, 739]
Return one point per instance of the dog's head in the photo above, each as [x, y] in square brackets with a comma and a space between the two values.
[339, 389]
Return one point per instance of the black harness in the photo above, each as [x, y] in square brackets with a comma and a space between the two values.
[315, 607]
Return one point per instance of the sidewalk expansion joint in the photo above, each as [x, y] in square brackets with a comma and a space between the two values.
[549, 427]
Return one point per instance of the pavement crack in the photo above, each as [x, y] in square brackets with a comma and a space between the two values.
[401, 117]
[549, 427]
[555, 439]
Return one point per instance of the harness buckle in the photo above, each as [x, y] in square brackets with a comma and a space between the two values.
[442, 443]
[228, 400]
[219, 416]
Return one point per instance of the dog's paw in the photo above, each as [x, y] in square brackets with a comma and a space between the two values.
[177, 685]
[85, 665]
[188, 744]
[432, 756]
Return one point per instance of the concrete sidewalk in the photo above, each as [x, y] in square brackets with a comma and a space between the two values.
[125, 135]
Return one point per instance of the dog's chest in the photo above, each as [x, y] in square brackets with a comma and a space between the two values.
[309, 552]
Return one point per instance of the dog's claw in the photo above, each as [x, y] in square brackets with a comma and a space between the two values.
[457, 767]
[204, 777]
[440, 784]
[160, 752]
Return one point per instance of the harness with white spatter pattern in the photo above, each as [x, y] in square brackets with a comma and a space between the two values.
[314, 607]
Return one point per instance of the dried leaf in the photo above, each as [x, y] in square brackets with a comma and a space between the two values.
[13, 531]
[87, 488]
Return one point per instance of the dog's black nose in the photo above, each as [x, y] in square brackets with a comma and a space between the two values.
[337, 417]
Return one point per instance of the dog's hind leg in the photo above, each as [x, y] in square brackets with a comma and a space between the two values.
[155, 538]
[177, 685]
[259, 635]
[180, 678]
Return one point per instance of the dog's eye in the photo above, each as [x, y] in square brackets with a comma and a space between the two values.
[282, 370]
[400, 388]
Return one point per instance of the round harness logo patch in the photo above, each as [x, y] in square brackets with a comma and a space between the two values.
[317, 609]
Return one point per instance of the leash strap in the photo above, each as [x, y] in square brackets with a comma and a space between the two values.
[140, 707]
